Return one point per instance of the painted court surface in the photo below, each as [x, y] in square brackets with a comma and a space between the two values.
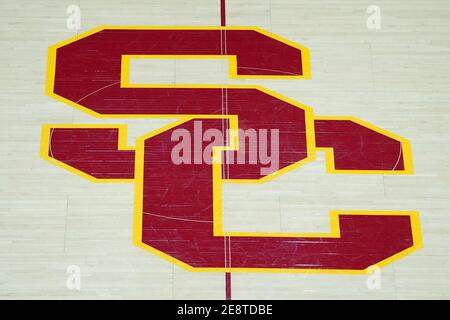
[93, 206]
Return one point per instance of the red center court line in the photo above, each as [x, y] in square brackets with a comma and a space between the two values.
[227, 252]
[223, 42]
[222, 13]
[228, 285]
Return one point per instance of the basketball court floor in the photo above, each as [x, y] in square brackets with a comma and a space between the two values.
[354, 95]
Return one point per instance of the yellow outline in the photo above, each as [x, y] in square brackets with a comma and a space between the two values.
[217, 202]
[51, 66]
[125, 71]
[232, 71]
[124, 82]
[217, 151]
[406, 150]
[45, 145]
[217, 217]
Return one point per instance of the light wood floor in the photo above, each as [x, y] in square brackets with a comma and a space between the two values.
[397, 78]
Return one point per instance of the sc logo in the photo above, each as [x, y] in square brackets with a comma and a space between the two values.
[178, 206]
